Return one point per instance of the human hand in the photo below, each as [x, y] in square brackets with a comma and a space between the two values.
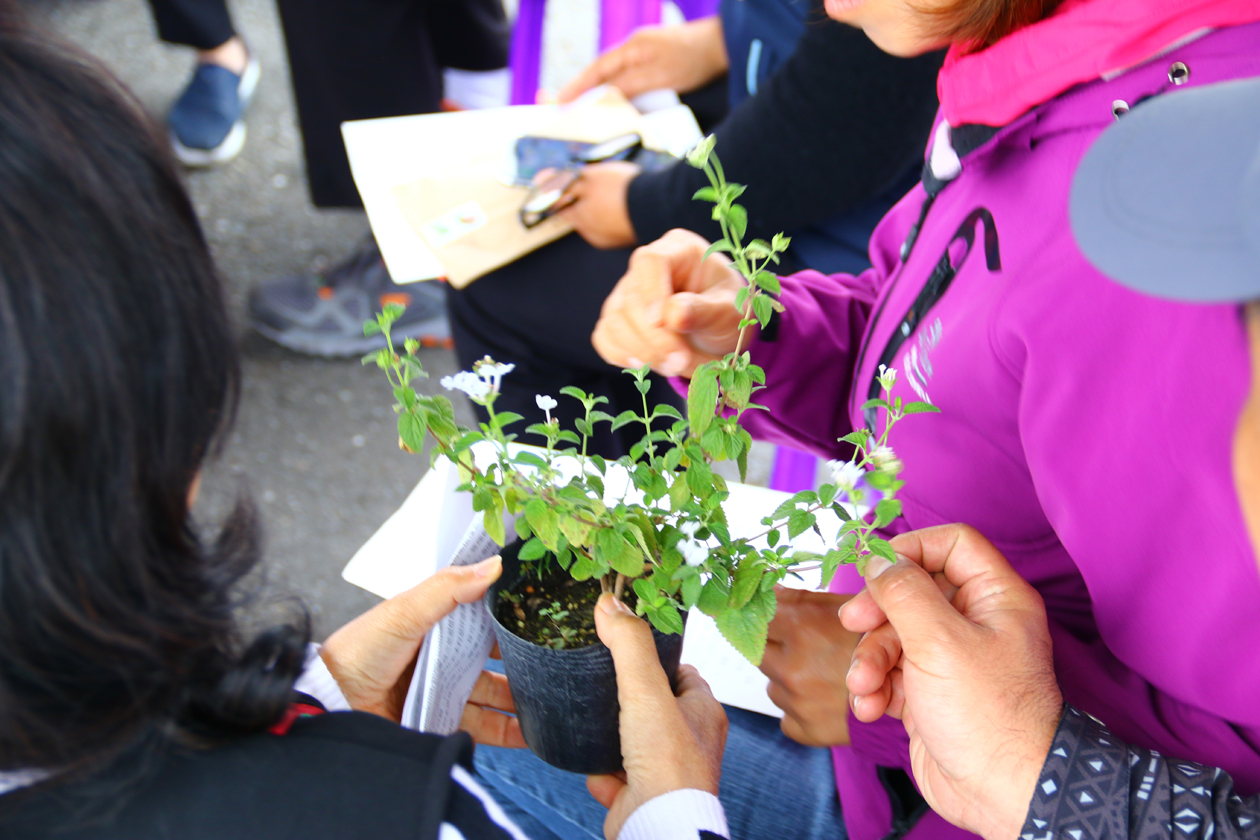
[807, 656]
[598, 210]
[968, 670]
[372, 657]
[668, 742]
[681, 58]
[671, 310]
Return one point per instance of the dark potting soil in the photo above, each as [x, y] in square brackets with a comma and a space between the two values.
[555, 610]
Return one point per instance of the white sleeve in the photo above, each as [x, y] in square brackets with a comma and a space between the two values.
[317, 681]
[677, 815]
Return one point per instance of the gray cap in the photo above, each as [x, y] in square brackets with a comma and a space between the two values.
[1167, 201]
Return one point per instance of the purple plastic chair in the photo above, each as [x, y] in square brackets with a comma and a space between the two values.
[617, 19]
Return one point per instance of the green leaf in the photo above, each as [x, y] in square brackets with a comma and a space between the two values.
[627, 416]
[737, 218]
[691, 590]
[768, 281]
[874, 403]
[545, 521]
[720, 245]
[533, 550]
[857, 438]
[799, 522]
[392, 312]
[714, 597]
[576, 393]
[575, 530]
[741, 297]
[747, 582]
[920, 408]
[700, 478]
[762, 308]
[666, 618]
[746, 628]
[646, 591]
[411, 429]
[886, 511]
[618, 553]
[773, 538]
[583, 568]
[702, 398]
[705, 194]
[666, 410]
[714, 442]
[493, 521]
[530, 458]
[742, 461]
[840, 511]
[371, 328]
[826, 494]
[507, 418]
[833, 560]
[882, 548]
[679, 492]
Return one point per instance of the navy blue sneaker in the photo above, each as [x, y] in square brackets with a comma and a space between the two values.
[207, 123]
[323, 316]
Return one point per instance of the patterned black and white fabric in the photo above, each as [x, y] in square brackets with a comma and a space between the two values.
[1094, 787]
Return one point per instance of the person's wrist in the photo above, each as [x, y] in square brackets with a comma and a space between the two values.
[1005, 808]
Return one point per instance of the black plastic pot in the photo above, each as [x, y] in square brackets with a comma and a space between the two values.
[566, 700]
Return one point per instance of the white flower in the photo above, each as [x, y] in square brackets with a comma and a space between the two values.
[887, 377]
[470, 383]
[689, 528]
[693, 551]
[546, 403]
[846, 474]
[493, 372]
[885, 460]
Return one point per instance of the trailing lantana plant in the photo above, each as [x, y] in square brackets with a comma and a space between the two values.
[670, 540]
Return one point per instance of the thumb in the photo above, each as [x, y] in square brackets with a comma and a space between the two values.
[913, 603]
[414, 612]
[688, 312]
[641, 682]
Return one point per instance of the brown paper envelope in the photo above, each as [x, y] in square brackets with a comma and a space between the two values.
[471, 219]
[498, 236]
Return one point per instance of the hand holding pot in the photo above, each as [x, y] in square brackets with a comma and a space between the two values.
[373, 656]
[807, 656]
[668, 742]
[671, 310]
[968, 670]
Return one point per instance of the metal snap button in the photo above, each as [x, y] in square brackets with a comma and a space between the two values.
[1178, 73]
[1119, 108]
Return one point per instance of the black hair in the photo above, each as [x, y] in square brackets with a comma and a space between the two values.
[118, 373]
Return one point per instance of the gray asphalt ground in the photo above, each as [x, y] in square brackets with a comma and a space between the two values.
[314, 442]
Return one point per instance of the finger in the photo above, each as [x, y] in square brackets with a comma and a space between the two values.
[975, 567]
[897, 699]
[598, 72]
[875, 656]
[869, 708]
[861, 614]
[915, 607]
[413, 613]
[492, 690]
[605, 788]
[491, 728]
[641, 681]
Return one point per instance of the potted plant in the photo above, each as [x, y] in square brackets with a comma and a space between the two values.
[664, 546]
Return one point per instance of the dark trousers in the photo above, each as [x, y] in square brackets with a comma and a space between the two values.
[362, 59]
[538, 313]
[203, 24]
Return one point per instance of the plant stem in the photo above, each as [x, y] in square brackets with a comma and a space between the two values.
[620, 586]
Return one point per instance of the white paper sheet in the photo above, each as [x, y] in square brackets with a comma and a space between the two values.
[435, 518]
[453, 652]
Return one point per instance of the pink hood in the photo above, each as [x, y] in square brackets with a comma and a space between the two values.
[1085, 40]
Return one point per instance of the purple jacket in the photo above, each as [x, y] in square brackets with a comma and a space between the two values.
[1084, 428]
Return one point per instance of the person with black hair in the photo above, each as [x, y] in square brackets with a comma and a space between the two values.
[132, 703]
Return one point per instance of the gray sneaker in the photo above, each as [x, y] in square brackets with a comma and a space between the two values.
[323, 316]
